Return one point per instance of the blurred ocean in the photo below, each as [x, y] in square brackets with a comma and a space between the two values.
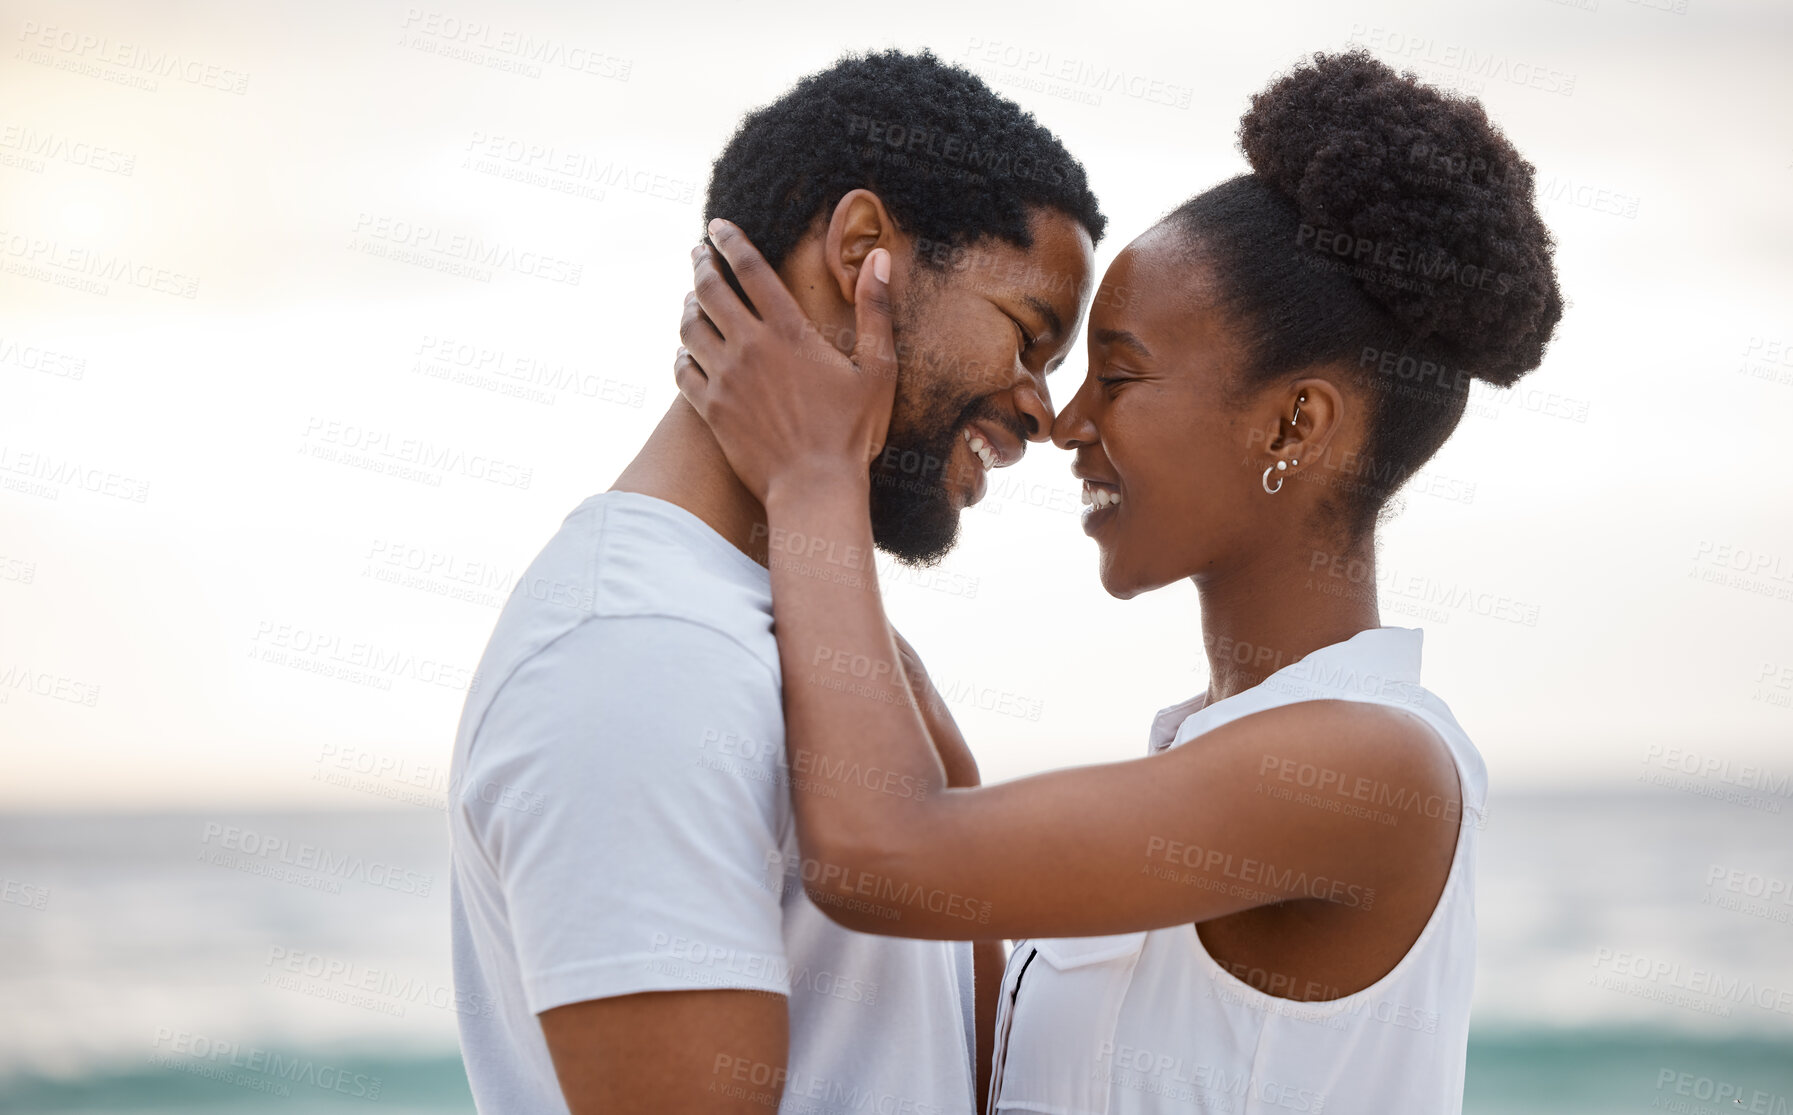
[1636, 955]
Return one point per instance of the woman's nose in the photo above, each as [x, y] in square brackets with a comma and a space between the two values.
[1073, 427]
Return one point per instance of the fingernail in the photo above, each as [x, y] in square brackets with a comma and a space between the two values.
[715, 226]
[881, 265]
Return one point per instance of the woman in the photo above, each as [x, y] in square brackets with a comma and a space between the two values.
[1273, 910]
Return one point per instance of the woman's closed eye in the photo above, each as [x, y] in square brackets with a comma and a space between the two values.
[1111, 383]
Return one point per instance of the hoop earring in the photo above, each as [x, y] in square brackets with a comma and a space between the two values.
[1279, 467]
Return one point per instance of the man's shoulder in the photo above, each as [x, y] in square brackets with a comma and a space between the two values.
[652, 557]
[623, 555]
[634, 702]
[634, 576]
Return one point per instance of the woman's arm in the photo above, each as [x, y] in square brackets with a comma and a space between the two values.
[1195, 833]
[1198, 832]
[987, 957]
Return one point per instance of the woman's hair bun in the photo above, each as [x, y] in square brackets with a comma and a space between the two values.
[1423, 201]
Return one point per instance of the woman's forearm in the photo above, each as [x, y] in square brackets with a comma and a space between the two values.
[864, 771]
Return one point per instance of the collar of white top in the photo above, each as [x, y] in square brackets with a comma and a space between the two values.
[1391, 654]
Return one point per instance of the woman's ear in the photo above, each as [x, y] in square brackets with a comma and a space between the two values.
[1310, 415]
[859, 224]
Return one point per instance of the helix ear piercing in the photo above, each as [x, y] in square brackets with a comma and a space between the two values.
[1283, 466]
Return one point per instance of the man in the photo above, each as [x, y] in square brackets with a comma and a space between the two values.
[627, 891]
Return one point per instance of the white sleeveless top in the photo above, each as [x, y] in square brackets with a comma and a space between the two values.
[1148, 1023]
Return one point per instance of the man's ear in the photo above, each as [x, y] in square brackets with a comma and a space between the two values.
[859, 223]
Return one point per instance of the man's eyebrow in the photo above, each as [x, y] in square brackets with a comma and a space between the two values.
[1124, 339]
[1044, 308]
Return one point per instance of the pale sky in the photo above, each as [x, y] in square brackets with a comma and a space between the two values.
[200, 210]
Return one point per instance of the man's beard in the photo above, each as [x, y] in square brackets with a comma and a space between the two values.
[913, 518]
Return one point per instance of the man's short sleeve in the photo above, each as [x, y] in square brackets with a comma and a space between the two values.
[625, 785]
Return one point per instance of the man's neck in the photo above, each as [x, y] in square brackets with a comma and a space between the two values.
[682, 464]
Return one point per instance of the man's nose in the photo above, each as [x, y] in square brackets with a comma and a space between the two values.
[1035, 410]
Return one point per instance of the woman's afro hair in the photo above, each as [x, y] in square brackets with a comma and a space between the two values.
[1390, 169]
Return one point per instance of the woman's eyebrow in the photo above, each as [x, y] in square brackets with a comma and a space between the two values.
[1124, 339]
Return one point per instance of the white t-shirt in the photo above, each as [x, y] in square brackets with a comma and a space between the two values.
[620, 822]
